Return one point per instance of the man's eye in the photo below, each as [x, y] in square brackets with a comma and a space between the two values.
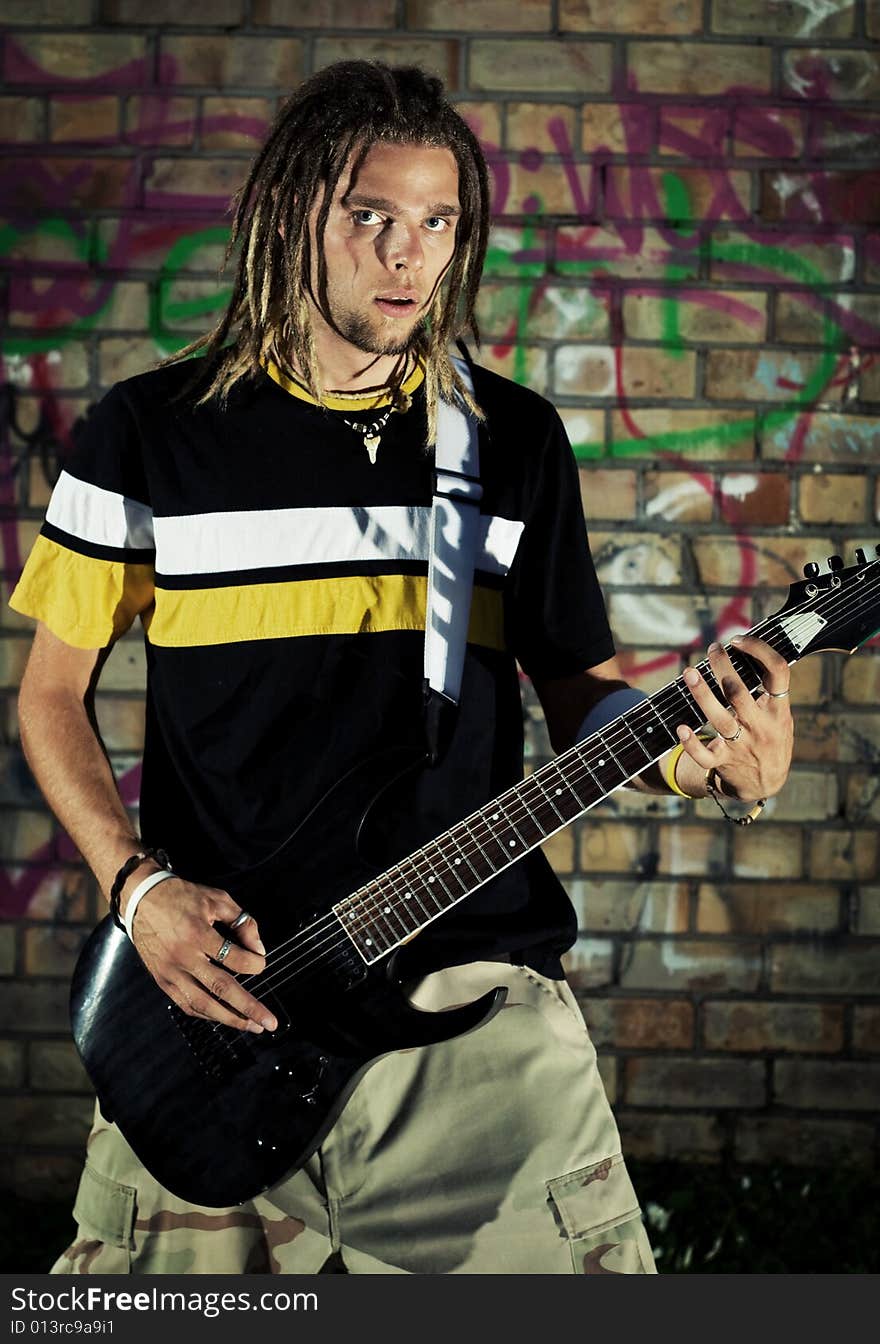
[437, 223]
[365, 217]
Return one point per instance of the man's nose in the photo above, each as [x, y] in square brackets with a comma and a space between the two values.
[400, 248]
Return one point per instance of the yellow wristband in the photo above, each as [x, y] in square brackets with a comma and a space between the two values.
[669, 773]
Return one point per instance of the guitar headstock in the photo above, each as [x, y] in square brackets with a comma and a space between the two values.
[835, 609]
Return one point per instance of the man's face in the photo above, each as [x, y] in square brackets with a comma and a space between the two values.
[390, 236]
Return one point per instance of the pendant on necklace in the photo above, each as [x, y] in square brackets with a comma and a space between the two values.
[371, 443]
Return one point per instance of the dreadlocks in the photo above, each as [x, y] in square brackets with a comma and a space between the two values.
[330, 124]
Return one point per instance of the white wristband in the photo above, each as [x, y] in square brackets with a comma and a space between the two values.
[139, 892]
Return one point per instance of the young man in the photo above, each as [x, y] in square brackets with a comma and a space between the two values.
[265, 511]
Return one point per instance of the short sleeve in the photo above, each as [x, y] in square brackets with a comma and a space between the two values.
[91, 570]
[556, 620]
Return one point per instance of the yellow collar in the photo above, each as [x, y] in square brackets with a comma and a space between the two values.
[369, 400]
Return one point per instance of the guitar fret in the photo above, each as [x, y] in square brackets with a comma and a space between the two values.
[463, 855]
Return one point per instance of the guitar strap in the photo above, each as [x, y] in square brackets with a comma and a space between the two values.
[455, 532]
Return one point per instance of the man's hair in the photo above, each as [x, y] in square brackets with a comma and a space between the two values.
[331, 122]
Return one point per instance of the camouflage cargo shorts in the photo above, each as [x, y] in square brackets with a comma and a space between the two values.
[495, 1152]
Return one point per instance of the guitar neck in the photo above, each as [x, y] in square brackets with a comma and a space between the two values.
[403, 900]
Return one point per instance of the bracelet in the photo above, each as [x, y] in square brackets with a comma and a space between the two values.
[669, 773]
[125, 873]
[139, 892]
[714, 792]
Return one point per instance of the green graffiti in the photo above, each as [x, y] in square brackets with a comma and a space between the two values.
[85, 249]
[164, 310]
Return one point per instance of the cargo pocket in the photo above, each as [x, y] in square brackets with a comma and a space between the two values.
[104, 1211]
[597, 1210]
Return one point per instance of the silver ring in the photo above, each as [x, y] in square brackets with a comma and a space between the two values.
[242, 919]
[736, 736]
[224, 950]
[779, 695]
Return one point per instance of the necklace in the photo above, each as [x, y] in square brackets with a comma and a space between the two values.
[372, 432]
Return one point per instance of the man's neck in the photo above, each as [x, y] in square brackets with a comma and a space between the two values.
[345, 368]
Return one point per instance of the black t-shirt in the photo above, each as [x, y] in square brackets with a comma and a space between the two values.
[280, 576]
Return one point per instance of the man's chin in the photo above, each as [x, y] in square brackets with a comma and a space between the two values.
[371, 341]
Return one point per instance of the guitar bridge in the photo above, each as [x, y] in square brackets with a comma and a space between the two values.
[220, 1052]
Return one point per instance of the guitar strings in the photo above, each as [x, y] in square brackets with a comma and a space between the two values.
[287, 959]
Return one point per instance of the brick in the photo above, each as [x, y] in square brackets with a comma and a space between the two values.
[68, 12]
[869, 911]
[48, 1120]
[588, 964]
[872, 258]
[86, 183]
[21, 120]
[548, 128]
[541, 310]
[198, 242]
[701, 68]
[767, 132]
[860, 679]
[640, 1024]
[627, 559]
[121, 722]
[695, 964]
[851, 968]
[677, 194]
[608, 1072]
[612, 847]
[640, 620]
[869, 383]
[770, 18]
[775, 561]
[616, 250]
[525, 364]
[325, 13]
[506, 16]
[11, 1064]
[797, 1027]
[808, 796]
[532, 187]
[230, 62]
[559, 850]
[698, 132]
[818, 1084]
[84, 120]
[125, 669]
[225, 13]
[750, 500]
[522, 252]
[765, 375]
[747, 908]
[676, 496]
[17, 542]
[696, 315]
[34, 1006]
[7, 949]
[831, 75]
[825, 1145]
[484, 119]
[118, 59]
[844, 855]
[594, 371]
[830, 436]
[845, 134]
[61, 893]
[700, 435]
[694, 1082]
[840, 198]
[544, 66]
[833, 498]
[123, 357]
[52, 950]
[872, 18]
[622, 128]
[160, 119]
[610, 493]
[818, 737]
[586, 434]
[235, 123]
[655, 1136]
[437, 55]
[193, 184]
[48, 1176]
[62, 369]
[55, 1067]
[764, 255]
[775, 852]
[629, 16]
[644, 907]
[807, 681]
[830, 320]
[23, 832]
[866, 1029]
[38, 242]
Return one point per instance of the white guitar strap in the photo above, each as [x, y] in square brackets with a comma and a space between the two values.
[455, 530]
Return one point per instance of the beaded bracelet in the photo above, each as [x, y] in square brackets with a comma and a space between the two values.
[715, 794]
[125, 872]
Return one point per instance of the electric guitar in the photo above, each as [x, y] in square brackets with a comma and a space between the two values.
[218, 1115]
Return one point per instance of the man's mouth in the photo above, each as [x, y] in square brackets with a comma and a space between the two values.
[397, 305]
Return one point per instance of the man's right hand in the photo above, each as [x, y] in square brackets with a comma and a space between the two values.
[175, 937]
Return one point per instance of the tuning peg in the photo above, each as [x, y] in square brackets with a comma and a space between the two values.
[811, 571]
[835, 562]
[860, 555]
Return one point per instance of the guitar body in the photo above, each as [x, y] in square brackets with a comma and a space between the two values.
[218, 1115]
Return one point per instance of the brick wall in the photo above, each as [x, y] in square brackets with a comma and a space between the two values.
[686, 259]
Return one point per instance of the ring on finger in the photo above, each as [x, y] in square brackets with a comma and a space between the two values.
[241, 919]
[736, 736]
[779, 695]
[224, 950]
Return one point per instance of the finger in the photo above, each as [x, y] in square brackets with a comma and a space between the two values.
[696, 748]
[236, 959]
[196, 1003]
[229, 994]
[241, 924]
[721, 719]
[776, 673]
[733, 688]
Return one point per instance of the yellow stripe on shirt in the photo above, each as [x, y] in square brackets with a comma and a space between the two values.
[349, 605]
[84, 601]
